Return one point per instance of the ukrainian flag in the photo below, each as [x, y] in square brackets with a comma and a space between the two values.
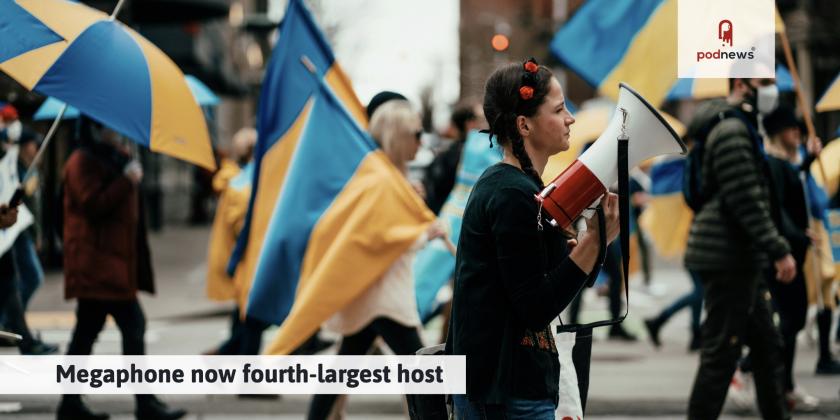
[819, 267]
[667, 219]
[607, 42]
[434, 265]
[287, 87]
[344, 215]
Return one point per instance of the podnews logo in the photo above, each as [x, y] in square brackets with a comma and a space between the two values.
[725, 34]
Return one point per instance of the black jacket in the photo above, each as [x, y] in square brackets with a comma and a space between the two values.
[511, 280]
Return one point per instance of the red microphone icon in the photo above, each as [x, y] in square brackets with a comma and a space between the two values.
[725, 32]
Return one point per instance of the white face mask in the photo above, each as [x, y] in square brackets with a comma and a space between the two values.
[768, 99]
[13, 131]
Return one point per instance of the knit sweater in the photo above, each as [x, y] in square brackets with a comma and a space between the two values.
[734, 229]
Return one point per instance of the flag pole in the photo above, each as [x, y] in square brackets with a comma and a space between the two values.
[806, 109]
[809, 125]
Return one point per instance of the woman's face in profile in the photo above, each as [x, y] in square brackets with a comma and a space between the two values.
[411, 139]
[552, 122]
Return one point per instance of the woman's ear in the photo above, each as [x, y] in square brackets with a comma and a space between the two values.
[522, 126]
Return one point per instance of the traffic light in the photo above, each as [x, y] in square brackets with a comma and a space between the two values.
[500, 42]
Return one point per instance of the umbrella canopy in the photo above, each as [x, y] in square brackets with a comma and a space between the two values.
[203, 95]
[588, 126]
[830, 160]
[830, 100]
[108, 72]
[715, 88]
[51, 107]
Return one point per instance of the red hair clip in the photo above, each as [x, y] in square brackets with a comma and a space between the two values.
[529, 79]
[526, 92]
[531, 66]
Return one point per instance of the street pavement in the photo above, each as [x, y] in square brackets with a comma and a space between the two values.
[628, 380]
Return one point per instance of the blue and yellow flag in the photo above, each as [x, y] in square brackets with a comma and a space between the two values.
[607, 42]
[287, 87]
[344, 215]
[434, 264]
[667, 219]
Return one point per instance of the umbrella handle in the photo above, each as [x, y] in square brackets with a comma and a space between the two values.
[116, 10]
[45, 143]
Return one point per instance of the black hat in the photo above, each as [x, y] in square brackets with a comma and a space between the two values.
[380, 98]
[28, 135]
[780, 119]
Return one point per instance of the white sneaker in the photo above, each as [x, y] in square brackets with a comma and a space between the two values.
[10, 407]
[799, 399]
[741, 393]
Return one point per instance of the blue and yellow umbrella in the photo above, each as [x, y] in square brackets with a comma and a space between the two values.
[830, 100]
[714, 88]
[105, 70]
[50, 109]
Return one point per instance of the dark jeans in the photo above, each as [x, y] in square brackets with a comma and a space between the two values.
[401, 339]
[738, 313]
[10, 304]
[692, 299]
[232, 345]
[90, 319]
[514, 408]
[251, 336]
[612, 268]
[28, 269]
[791, 301]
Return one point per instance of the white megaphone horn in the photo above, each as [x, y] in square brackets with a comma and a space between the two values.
[588, 178]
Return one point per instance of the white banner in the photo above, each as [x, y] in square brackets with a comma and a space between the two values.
[232, 375]
[725, 38]
[9, 182]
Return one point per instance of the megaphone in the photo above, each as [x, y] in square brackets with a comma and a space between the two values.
[588, 178]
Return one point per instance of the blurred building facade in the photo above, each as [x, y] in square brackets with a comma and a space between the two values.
[530, 25]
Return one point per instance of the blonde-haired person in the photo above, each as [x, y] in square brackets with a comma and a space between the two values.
[232, 183]
[388, 309]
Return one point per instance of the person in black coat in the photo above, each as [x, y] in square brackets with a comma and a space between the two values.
[787, 173]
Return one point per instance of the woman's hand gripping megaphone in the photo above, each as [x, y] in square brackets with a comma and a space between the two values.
[585, 253]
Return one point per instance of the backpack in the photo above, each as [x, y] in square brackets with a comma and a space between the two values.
[694, 193]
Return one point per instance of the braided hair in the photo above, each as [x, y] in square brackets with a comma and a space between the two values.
[511, 91]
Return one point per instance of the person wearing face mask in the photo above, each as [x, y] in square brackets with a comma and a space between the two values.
[733, 239]
[12, 127]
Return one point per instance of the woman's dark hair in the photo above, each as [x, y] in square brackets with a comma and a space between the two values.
[503, 102]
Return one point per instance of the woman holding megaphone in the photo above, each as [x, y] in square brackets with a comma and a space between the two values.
[515, 271]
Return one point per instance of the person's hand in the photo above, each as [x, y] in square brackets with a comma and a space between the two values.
[639, 199]
[814, 146]
[609, 202]
[585, 252]
[419, 189]
[134, 171]
[785, 269]
[813, 237]
[436, 230]
[8, 216]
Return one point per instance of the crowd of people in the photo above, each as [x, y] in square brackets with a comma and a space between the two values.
[515, 272]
